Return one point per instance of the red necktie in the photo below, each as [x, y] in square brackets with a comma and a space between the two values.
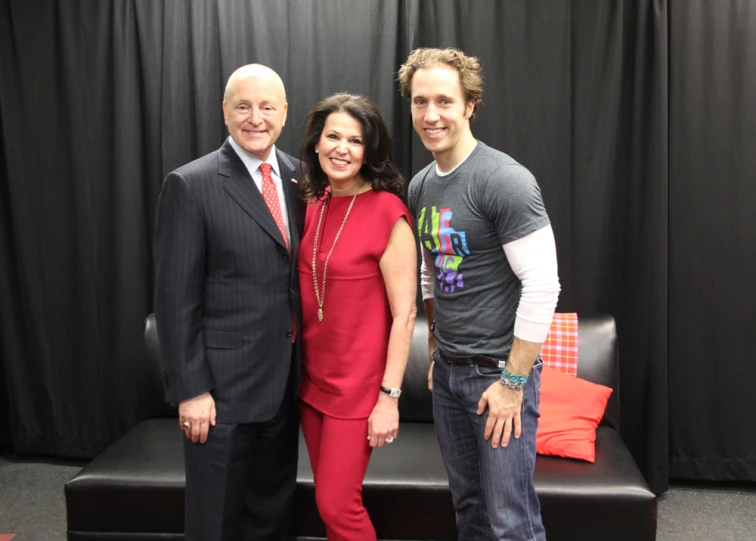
[270, 195]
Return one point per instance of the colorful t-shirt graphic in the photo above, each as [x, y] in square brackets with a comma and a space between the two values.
[448, 246]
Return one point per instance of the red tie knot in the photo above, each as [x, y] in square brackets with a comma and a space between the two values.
[265, 169]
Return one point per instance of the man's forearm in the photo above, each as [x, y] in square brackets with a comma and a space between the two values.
[522, 356]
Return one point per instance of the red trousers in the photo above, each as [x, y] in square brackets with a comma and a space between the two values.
[339, 454]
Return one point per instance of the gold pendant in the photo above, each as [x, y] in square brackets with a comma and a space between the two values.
[320, 314]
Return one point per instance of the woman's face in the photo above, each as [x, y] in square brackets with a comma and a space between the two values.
[341, 149]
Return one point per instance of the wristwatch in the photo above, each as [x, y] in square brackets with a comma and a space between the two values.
[393, 392]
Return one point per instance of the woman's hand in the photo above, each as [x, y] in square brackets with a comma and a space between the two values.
[383, 423]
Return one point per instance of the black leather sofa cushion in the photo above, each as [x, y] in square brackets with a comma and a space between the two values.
[134, 490]
[137, 486]
[134, 486]
[606, 500]
[598, 360]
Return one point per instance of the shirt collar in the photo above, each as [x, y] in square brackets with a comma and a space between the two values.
[251, 162]
[447, 173]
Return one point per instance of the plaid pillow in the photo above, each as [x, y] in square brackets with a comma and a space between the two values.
[560, 350]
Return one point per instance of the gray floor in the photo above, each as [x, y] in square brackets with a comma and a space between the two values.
[31, 498]
[713, 512]
[32, 505]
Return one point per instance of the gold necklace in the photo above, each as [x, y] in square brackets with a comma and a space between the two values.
[321, 298]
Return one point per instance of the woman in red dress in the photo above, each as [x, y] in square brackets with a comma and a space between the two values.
[357, 275]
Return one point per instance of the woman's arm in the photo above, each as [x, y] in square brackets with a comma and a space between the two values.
[399, 269]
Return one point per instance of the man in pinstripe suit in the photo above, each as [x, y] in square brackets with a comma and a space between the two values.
[227, 303]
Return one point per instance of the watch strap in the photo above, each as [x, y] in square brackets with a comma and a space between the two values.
[393, 392]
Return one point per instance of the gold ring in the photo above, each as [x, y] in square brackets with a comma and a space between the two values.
[187, 424]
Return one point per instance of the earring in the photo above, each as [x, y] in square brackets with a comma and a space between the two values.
[316, 151]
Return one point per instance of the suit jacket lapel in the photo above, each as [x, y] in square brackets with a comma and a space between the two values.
[240, 186]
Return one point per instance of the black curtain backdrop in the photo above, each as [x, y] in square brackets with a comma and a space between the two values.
[712, 296]
[637, 118]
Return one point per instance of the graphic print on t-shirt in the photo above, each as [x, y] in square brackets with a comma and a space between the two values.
[448, 245]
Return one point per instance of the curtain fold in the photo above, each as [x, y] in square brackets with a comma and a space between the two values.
[72, 98]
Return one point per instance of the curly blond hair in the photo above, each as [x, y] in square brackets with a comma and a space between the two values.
[468, 67]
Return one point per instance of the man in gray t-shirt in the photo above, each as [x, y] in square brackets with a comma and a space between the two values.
[490, 285]
[463, 219]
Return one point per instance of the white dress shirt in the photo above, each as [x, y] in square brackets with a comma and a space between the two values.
[252, 163]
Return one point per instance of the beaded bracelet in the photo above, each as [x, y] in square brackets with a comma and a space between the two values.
[513, 381]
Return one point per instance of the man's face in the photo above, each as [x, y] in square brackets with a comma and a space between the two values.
[439, 113]
[255, 113]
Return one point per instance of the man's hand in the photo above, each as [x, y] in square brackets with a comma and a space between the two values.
[504, 407]
[383, 422]
[200, 413]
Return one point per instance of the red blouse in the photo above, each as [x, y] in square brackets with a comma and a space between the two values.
[344, 356]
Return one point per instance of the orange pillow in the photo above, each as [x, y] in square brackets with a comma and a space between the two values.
[571, 408]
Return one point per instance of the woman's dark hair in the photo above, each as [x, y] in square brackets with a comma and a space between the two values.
[376, 167]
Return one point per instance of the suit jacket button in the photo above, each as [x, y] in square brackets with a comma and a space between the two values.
[289, 333]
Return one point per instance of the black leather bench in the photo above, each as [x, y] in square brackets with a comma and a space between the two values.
[134, 490]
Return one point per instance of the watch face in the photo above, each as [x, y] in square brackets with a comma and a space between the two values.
[395, 393]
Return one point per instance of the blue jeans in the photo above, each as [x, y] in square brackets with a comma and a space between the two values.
[492, 489]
